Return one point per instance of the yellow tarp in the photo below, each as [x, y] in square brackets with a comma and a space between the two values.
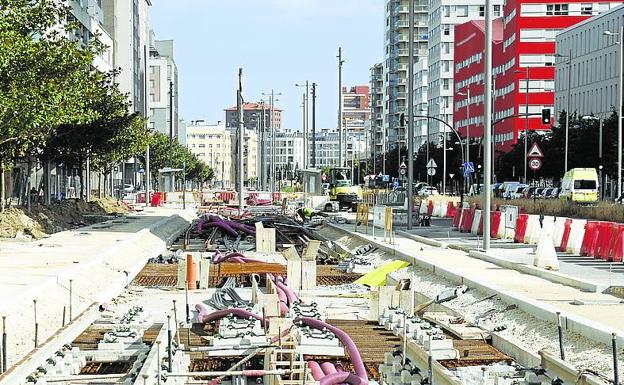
[377, 277]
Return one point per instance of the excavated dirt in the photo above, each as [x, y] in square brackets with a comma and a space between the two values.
[64, 215]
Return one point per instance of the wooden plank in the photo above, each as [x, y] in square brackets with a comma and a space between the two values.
[311, 250]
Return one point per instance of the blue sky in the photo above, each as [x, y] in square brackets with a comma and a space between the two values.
[277, 42]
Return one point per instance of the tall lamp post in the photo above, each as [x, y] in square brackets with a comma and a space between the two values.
[600, 120]
[620, 101]
[467, 97]
[487, 119]
[526, 120]
[567, 130]
[272, 96]
[306, 124]
[410, 120]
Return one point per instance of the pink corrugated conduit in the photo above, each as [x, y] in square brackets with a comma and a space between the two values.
[328, 368]
[354, 354]
[315, 369]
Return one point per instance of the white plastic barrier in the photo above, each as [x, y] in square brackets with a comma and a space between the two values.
[557, 235]
[379, 216]
[577, 232]
[548, 225]
[439, 209]
[423, 207]
[532, 226]
[475, 222]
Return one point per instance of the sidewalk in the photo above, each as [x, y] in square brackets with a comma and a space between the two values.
[99, 259]
[535, 295]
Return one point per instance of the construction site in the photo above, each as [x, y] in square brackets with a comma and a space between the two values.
[210, 294]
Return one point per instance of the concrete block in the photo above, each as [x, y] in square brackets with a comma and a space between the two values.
[308, 275]
[265, 239]
[311, 251]
[204, 272]
[181, 273]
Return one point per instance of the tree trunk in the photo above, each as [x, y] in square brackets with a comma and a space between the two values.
[2, 189]
[80, 171]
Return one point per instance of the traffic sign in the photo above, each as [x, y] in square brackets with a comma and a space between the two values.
[535, 151]
[535, 164]
[431, 171]
[403, 165]
[469, 168]
[432, 164]
[402, 171]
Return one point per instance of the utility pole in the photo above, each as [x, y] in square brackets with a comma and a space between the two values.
[340, 128]
[306, 125]
[487, 121]
[410, 120]
[313, 125]
[262, 162]
[241, 139]
[272, 141]
[147, 149]
[171, 124]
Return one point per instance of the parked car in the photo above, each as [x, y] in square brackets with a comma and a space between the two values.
[428, 191]
[554, 194]
[528, 194]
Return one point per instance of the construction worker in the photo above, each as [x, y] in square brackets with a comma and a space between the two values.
[306, 213]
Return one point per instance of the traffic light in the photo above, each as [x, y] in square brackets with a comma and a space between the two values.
[545, 115]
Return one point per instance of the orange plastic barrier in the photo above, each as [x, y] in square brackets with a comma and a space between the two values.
[457, 217]
[617, 246]
[590, 238]
[450, 210]
[567, 227]
[430, 208]
[607, 232]
[521, 226]
[157, 199]
[466, 222]
[495, 221]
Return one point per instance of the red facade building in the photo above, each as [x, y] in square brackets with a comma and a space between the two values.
[525, 45]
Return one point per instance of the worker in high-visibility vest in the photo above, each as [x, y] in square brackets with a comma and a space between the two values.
[306, 213]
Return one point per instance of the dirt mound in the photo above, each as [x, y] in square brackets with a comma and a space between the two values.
[64, 215]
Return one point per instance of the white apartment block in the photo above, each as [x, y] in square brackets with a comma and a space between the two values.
[212, 143]
[595, 60]
[421, 86]
[250, 156]
[288, 149]
[90, 16]
[163, 79]
[443, 16]
[327, 148]
[127, 22]
[396, 62]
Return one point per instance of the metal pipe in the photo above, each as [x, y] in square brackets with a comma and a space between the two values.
[616, 375]
[158, 363]
[36, 324]
[526, 125]
[620, 110]
[169, 345]
[340, 123]
[4, 345]
[188, 309]
[560, 332]
[487, 120]
[71, 282]
[175, 319]
[244, 373]
[241, 142]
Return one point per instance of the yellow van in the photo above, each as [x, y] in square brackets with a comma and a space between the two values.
[580, 185]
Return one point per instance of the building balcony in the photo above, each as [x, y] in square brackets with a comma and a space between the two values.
[378, 103]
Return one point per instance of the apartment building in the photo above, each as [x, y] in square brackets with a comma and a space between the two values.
[526, 52]
[252, 116]
[163, 87]
[397, 61]
[127, 22]
[212, 143]
[443, 16]
[90, 17]
[377, 109]
[355, 110]
[421, 103]
[592, 71]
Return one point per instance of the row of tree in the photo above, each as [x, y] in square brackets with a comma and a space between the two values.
[584, 138]
[56, 106]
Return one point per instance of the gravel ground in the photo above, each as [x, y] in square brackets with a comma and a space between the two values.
[521, 328]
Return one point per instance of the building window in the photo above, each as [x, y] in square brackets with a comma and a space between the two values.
[482, 11]
[556, 9]
[587, 9]
[202, 145]
[462, 10]
[446, 29]
[497, 10]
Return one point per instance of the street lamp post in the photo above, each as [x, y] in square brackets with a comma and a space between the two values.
[487, 119]
[410, 120]
[467, 96]
[526, 120]
[600, 120]
[306, 124]
[567, 130]
[620, 102]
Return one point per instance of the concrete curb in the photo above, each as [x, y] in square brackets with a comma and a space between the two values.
[593, 330]
[421, 239]
[552, 276]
